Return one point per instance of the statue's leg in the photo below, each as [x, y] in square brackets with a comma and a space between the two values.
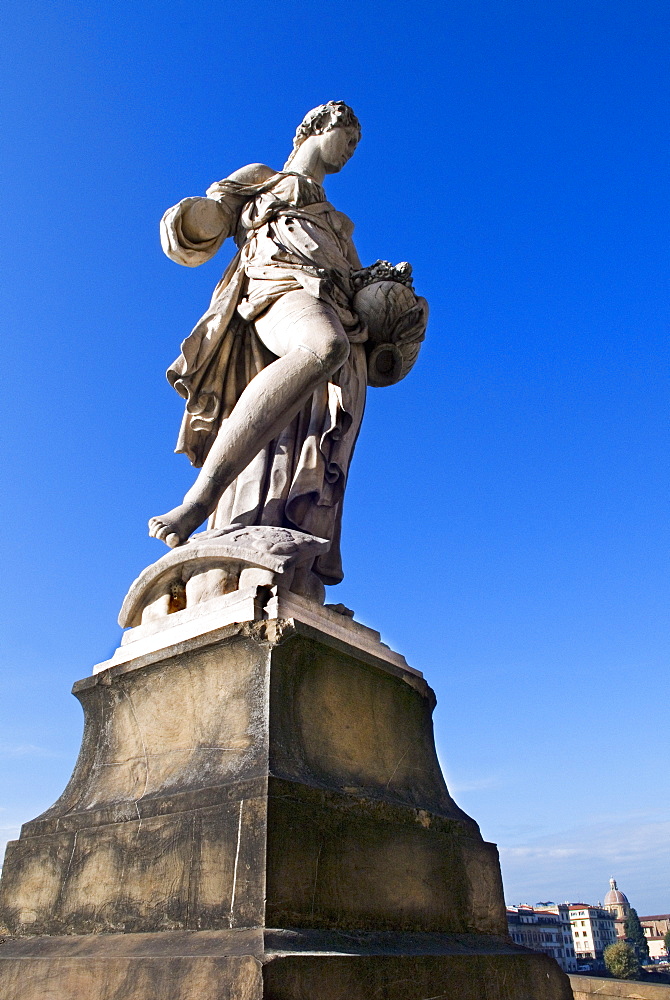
[311, 345]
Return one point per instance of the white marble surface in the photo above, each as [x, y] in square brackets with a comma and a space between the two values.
[275, 373]
[242, 606]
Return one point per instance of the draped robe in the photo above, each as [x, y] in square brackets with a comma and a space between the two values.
[289, 238]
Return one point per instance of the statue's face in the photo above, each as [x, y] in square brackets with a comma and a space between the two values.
[336, 147]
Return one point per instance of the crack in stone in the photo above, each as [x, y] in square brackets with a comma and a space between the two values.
[316, 876]
[237, 858]
[393, 776]
[146, 762]
[163, 753]
[69, 864]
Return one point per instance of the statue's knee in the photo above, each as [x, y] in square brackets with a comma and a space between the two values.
[322, 334]
[334, 352]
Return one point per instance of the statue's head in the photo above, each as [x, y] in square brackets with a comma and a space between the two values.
[334, 128]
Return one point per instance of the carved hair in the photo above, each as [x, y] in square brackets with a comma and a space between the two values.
[334, 114]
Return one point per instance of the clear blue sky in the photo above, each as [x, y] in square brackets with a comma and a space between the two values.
[506, 524]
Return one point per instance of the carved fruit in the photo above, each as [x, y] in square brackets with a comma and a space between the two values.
[396, 320]
[380, 305]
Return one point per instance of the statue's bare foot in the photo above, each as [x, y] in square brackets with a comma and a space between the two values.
[177, 525]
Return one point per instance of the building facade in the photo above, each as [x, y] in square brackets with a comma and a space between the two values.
[577, 934]
[655, 928]
[544, 929]
[593, 930]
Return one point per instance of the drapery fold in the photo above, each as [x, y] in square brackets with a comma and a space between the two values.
[289, 238]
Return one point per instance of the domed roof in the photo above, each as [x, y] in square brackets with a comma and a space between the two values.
[615, 896]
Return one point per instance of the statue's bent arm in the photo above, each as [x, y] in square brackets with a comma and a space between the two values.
[203, 220]
[193, 231]
[206, 218]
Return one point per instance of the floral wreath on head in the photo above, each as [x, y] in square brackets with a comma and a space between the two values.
[324, 118]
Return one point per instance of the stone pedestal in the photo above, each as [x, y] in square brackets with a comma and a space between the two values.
[258, 812]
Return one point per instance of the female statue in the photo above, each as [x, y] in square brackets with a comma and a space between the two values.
[274, 374]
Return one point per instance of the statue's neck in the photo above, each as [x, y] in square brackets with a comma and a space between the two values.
[308, 162]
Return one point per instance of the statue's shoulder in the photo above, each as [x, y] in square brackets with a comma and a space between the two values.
[241, 184]
[253, 173]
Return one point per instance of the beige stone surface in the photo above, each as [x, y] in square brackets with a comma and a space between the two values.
[274, 750]
[278, 965]
[261, 814]
[101, 977]
[586, 987]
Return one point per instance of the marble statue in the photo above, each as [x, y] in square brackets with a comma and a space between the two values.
[275, 373]
[258, 809]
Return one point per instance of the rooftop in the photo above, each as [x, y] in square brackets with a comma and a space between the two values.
[615, 895]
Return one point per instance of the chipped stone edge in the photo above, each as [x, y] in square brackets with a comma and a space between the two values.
[271, 632]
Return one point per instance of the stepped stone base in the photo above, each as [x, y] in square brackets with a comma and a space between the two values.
[282, 965]
[266, 775]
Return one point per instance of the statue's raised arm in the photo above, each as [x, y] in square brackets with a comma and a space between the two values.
[275, 373]
[193, 230]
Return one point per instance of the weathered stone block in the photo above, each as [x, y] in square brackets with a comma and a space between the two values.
[273, 778]
[585, 987]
